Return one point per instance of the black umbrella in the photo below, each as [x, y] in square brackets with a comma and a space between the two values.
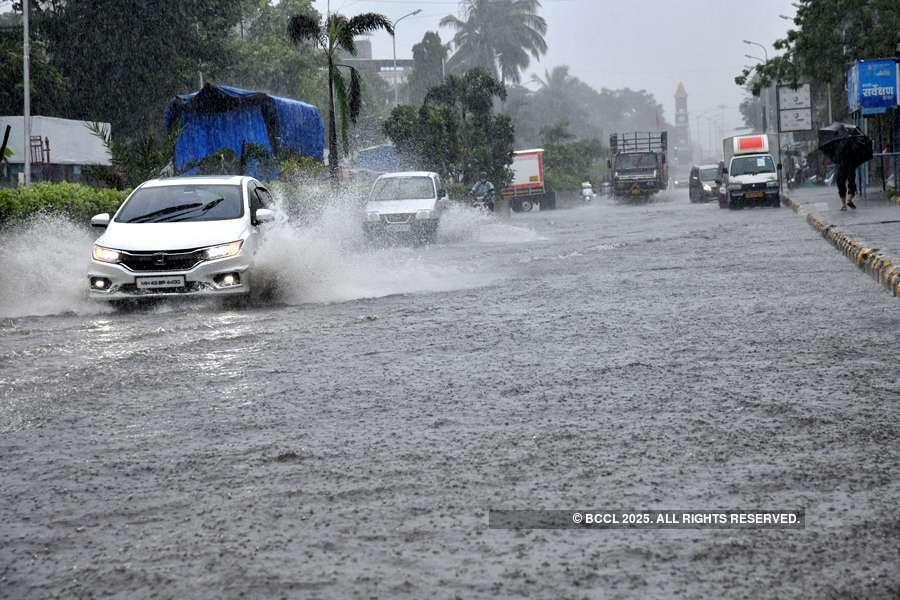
[845, 143]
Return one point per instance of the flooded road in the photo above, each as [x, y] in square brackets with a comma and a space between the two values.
[346, 435]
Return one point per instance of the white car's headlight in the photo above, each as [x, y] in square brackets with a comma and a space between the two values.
[373, 216]
[706, 188]
[223, 250]
[425, 214]
[772, 184]
[106, 254]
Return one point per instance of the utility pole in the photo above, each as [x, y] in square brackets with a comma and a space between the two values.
[394, 39]
[26, 68]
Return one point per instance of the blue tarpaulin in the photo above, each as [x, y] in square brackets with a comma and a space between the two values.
[220, 116]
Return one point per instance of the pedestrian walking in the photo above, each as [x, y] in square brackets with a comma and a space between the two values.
[845, 177]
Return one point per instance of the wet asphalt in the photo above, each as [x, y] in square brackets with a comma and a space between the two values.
[346, 437]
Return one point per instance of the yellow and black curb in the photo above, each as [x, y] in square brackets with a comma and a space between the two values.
[882, 268]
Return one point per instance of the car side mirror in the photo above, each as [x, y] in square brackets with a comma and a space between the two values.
[778, 166]
[101, 220]
[265, 215]
[442, 193]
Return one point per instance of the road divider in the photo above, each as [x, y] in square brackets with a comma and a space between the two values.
[881, 267]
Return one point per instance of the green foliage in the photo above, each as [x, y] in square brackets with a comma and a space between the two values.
[268, 60]
[47, 85]
[300, 169]
[428, 64]
[830, 35]
[136, 161]
[457, 191]
[334, 35]
[455, 132]
[497, 36]
[566, 165]
[79, 202]
[123, 60]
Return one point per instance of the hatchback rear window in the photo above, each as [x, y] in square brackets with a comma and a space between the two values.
[174, 203]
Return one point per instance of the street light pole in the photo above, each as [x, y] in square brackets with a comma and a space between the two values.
[766, 99]
[394, 38]
[26, 68]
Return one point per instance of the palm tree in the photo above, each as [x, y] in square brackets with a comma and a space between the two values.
[335, 34]
[498, 36]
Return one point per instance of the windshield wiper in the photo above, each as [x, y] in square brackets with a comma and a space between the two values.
[205, 208]
[164, 211]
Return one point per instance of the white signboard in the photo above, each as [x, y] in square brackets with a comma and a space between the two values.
[791, 98]
[799, 119]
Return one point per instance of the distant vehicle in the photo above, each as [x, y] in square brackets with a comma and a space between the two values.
[751, 176]
[702, 186]
[681, 179]
[180, 236]
[406, 204]
[527, 187]
[637, 164]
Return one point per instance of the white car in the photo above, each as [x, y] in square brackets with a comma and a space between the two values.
[180, 236]
[408, 204]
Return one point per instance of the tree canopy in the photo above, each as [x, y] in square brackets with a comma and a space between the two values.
[498, 36]
[455, 131]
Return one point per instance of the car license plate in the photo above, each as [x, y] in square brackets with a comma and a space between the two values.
[755, 195]
[398, 227]
[170, 281]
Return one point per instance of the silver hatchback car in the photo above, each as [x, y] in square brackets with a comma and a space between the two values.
[408, 204]
[180, 236]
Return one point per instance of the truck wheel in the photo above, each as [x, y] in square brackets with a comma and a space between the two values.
[525, 205]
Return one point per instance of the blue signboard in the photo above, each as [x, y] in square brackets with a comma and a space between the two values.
[872, 85]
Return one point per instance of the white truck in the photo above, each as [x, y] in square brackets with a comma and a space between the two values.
[527, 186]
[750, 174]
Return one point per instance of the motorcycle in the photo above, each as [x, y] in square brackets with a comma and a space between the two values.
[483, 201]
[587, 192]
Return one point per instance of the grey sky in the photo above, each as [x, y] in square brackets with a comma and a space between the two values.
[649, 44]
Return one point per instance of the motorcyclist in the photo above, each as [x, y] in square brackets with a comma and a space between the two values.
[482, 187]
[587, 188]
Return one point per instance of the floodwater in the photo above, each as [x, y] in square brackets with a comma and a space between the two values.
[345, 434]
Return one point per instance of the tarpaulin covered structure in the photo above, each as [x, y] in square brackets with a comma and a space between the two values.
[220, 116]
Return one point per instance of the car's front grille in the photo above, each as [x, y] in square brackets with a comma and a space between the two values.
[179, 260]
[399, 218]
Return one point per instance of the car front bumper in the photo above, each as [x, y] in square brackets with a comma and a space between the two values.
[207, 278]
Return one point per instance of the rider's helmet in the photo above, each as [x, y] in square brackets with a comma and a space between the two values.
[482, 176]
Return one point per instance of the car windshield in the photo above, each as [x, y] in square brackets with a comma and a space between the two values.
[188, 202]
[403, 188]
[752, 165]
[709, 174]
[644, 160]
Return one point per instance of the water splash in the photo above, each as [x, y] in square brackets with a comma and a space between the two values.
[43, 266]
[314, 252]
[325, 258]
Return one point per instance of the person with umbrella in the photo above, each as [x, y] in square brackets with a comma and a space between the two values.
[847, 147]
[845, 178]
